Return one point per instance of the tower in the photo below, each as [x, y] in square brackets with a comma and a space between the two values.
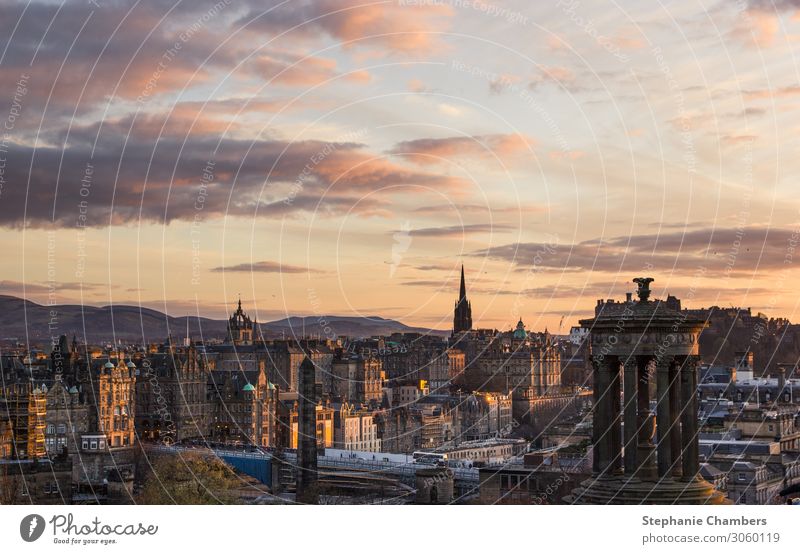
[307, 490]
[240, 327]
[462, 315]
[640, 457]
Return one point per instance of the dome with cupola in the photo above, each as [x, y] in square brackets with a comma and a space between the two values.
[520, 332]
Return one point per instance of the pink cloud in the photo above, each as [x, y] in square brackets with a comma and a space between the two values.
[431, 151]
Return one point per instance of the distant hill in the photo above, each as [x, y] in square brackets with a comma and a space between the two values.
[342, 325]
[22, 318]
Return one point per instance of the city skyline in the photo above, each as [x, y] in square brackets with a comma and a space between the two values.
[339, 158]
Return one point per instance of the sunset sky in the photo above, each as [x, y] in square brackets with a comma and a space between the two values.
[346, 157]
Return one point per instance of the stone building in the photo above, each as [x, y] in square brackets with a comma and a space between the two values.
[399, 429]
[356, 379]
[66, 418]
[108, 447]
[6, 439]
[324, 419]
[172, 396]
[36, 481]
[537, 479]
[115, 393]
[23, 405]
[517, 361]
[780, 424]
[355, 429]
[456, 362]
[485, 415]
[244, 408]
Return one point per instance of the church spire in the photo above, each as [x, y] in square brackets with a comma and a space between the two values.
[462, 315]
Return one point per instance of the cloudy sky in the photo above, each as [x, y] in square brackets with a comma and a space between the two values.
[346, 156]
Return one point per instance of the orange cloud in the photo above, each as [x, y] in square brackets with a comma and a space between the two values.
[435, 151]
[402, 27]
[781, 92]
[757, 28]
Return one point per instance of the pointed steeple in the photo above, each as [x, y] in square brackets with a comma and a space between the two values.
[462, 315]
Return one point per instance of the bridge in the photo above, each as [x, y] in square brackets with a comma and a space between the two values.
[367, 465]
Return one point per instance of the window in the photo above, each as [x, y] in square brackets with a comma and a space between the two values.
[85, 444]
[93, 445]
[741, 476]
[62, 428]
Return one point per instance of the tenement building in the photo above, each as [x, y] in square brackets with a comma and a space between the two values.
[172, 396]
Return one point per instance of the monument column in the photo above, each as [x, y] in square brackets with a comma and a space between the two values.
[675, 422]
[630, 372]
[689, 436]
[646, 424]
[663, 417]
[603, 416]
[596, 431]
[615, 391]
[307, 491]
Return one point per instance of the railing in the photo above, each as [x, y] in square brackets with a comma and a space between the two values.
[377, 466]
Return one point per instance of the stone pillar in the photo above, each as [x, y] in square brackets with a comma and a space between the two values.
[646, 425]
[630, 372]
[601, 423]
[675, 410]
[663, 417]
[614, 391]
[689, 436]
[596, 431]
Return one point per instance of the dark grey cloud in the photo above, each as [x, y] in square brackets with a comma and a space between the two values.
[264, 267]
[458, 230]
[126, 180]
[18, 288]
[721, 252]
[77, 55]
[773, 5]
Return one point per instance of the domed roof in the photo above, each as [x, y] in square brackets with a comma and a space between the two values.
[520, 332]
[73, 390]
[249, 388]
[131, 365]
[109, 365]
[270, 386]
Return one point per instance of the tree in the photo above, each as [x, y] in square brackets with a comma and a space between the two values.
[189, 479]
[10, 484]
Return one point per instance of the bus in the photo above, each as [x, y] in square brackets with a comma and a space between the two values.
[429, 458]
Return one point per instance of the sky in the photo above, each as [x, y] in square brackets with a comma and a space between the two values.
[346, 157]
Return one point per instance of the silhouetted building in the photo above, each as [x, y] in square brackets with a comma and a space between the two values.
[462, 315]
